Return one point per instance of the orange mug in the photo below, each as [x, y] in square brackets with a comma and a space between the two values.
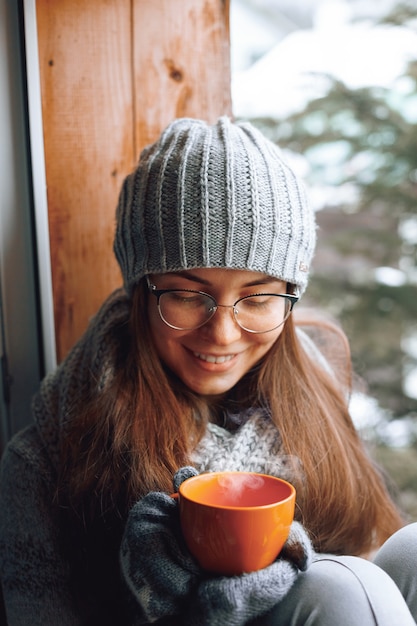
[235, 522]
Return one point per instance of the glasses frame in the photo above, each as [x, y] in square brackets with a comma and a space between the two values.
[293, 299]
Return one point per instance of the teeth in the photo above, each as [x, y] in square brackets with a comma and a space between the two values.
[214, 359]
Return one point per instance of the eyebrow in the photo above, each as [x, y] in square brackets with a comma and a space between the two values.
[254, 283]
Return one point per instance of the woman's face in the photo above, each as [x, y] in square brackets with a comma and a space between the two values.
[211, 359]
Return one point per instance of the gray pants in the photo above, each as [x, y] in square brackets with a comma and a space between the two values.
[350, 591]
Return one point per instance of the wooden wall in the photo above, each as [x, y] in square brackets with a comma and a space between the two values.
[114, 73]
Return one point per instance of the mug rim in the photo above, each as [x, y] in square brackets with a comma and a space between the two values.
[187, 481]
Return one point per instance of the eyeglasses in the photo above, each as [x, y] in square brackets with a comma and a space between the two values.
[186, 309]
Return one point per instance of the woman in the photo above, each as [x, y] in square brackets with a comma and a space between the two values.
[198, 365]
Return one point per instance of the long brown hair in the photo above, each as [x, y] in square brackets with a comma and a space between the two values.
[133, 435]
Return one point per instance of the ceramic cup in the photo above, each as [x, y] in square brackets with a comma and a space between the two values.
[235, 522]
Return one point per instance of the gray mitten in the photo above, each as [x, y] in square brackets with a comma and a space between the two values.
[237, 599]
[298, 548]
[155, 562]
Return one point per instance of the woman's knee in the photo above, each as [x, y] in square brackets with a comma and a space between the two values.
[400, 548]
[398, 557]
[346, 591]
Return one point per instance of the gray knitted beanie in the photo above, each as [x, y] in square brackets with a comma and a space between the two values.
[213, 196]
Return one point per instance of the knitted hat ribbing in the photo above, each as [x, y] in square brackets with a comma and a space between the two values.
[213, 196]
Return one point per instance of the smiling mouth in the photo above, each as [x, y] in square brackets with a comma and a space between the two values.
[210, 358]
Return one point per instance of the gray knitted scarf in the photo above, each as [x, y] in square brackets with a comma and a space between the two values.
[89, 364]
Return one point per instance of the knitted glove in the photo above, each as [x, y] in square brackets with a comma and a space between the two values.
[167, 581]
[156, 564]
[237, 599]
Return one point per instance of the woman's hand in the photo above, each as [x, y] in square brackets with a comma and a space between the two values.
[157, 566]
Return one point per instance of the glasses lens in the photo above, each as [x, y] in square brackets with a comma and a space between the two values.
[185, 310]
[263, 312]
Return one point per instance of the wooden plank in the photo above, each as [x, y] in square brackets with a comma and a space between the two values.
[181, 62]
[85, 66]
[113, 74]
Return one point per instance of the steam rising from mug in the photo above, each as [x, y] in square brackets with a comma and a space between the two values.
[237, 488]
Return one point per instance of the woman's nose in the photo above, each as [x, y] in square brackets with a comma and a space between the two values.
[222, 328]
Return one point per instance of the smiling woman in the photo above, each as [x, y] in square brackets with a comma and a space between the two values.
[198, 365]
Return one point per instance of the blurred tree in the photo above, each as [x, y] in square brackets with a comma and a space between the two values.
[362, 145]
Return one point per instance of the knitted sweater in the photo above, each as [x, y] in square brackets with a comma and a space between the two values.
[51, 574]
